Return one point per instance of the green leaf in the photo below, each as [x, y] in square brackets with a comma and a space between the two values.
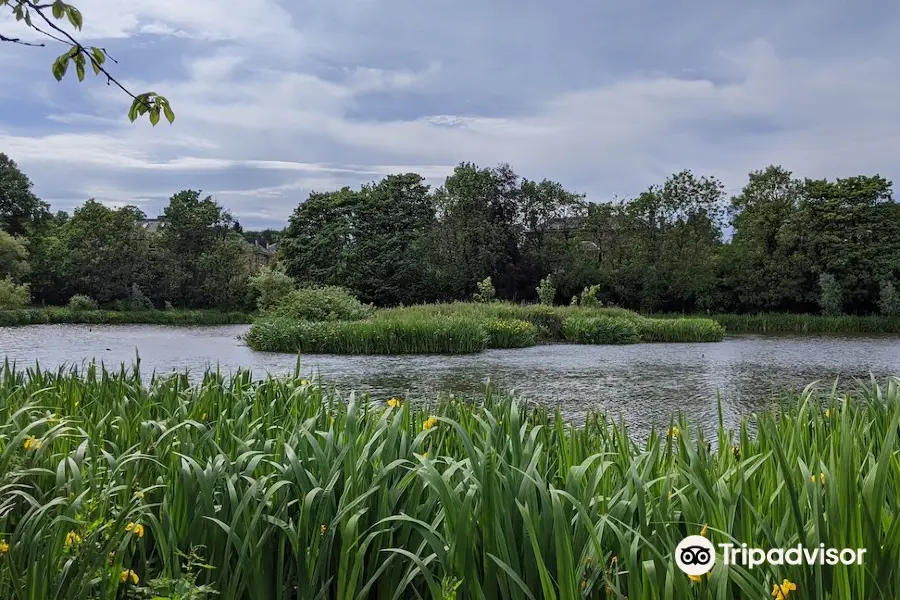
[60, 66]
[19, 12]
[167, 110]
[154, 115]
[133, 111]
[79, 67]
[59, 9]
[97, 59]
[74, 17]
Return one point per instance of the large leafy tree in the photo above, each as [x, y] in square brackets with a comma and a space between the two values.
[479, 229]
[56, 20]
[20, 208]
[194, 227]
[764, 270]
[850, 229]
[102, 252]
[374, 240]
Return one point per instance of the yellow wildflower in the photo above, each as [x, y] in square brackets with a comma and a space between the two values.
[4, 547]
[695, 578]
[323, 528]
[32, 443]
[780, 592]
[736, 451]
[674, 431]
[72, 539]
[429, 423]
[304, 382]
[821, 478]
[135, 528]
[394, 403]
[705, 531]
[827, 413]
[127, 574]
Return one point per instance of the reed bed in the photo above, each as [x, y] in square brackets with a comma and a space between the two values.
[788, 323]
[437, 335]
[282, 489]
[36, 316]
[680, 330]
[601, 330]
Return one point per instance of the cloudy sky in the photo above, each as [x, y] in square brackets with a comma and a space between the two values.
[277, 98]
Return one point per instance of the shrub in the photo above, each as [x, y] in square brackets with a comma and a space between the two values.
[437, 335]
[831, 297]
[269, 287]
[589, 297]
[601, 330]
[888, 300]
[486, 291]
[326, 303]
[82, 302]
[546, 291]
[12, 295]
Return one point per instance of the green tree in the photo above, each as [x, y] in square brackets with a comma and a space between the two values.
[195, 226]
[224, 273]
[848, 228]
[765, 270]
[831, 296]
[56, 20]
[20, 209]
[102, 252]
[390, 224]
[478, 230]
[374, 240]
[316, 242]
[888, 300]
[13, 256]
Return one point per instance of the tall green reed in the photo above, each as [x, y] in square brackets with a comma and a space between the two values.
[289, 489]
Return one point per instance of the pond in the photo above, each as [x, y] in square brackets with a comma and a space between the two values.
[642, 383]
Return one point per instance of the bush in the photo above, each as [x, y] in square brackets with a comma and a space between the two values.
[589, 297]
[14, 296]
[437, 335]
[831, 298]
[888, 300]
[82, 302]
[486, 291]
[601, 330]
[328, 303]
[269, 287]
[546, 291]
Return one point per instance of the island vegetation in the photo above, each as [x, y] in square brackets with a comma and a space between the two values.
[116, 487]
[783, 255]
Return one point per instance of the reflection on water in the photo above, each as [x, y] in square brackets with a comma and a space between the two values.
[642, 384]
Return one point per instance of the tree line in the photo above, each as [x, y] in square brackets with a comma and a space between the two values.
[795, 245]
[199, 259]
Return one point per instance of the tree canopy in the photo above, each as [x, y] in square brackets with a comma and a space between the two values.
[795, 245]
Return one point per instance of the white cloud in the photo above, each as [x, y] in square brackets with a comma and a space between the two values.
[299, 121]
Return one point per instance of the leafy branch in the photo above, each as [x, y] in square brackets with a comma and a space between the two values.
[34, 15]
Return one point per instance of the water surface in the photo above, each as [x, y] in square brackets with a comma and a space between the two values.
[642, 383]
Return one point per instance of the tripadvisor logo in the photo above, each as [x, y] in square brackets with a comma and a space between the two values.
[696, 555]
